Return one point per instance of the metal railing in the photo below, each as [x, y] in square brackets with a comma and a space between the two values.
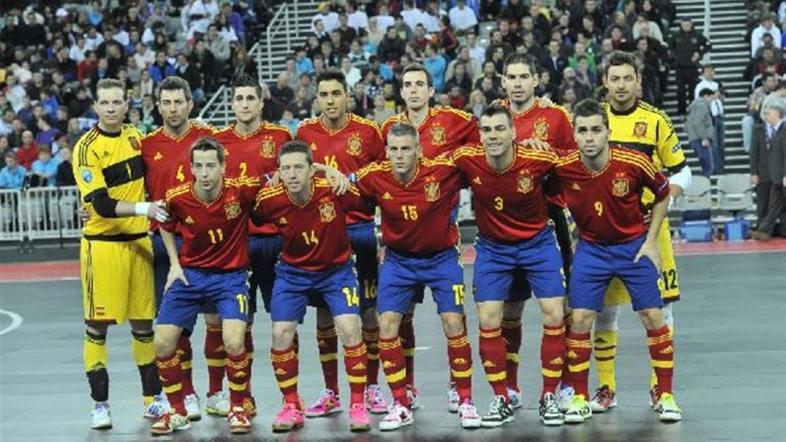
[281, 23]
[39, 213]
[218, 110]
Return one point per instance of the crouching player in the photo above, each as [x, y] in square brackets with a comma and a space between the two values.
[602, 186]
[212, 215]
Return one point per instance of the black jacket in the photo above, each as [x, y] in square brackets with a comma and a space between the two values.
[769, 162]
[685, 44]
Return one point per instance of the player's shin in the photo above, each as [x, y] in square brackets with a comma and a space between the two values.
[407, 333]
[459, 354]
[169, 365]
[215, 357]
[95, 359]
[144, 352]
[605, 346]
[185, 355]
[237, 361]
[327, 340]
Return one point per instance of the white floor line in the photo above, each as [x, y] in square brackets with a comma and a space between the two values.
[16, 321]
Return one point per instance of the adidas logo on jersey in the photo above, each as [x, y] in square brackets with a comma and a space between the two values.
[489, 364]
[282, 221]
[667, 351]
[386, 196]
[359, 366]
[189, 220]
[281, 371]
[459, 361]
[575, 186]
[477, 181]
[158, 156]
[387, 364]
[572, 355]
[557, 361]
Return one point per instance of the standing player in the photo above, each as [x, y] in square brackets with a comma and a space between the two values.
[347, 142]
[166, 156]
[638, 126]
[533, 120]
[514, 235]
[602, 187]
[116, 256]
[212, 214]
[441, 130]
[252, 147]
[316, 258]
[416, 197]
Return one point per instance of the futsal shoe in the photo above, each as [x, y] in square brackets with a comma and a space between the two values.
[375, 401]
[398, 416]
[239, 421]
[328, 403]
[101, 417]
[217, 404]
[500, 413]
[289, 418]
[468, 415]
[169, 423]
[565, 397]
[605, 399]
[412, 393]
[515, 398]
[578, 411]
[668, 409]
[157, 408]
[453, 398]
[550, 414]
[358, 418]
[193, 408]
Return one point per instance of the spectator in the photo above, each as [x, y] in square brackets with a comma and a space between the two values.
[161, 68]
[356, 18]
[272, 109]
[383, 17]
[579, 90]
[411, 14]
[135, 119]
[462, 18]
[303, 63]
[93, 39]
[196, 16]
[459, 76]
[545, 87]
[447, 38]
[235, 21]
[477, 103]
[456, 96]
[339, 47]
[436, 65]
[217, 44]
[431, 16]
[45, 168]
[652, 29]
[205, 61]
[708, 81]
[767, 26]
[488, 89]
[476, 51]
[192, 74]
[688, 46]
[375, 33]
[289, 121]
[301, 106]
[65, 171]
[491, 9]
[28, 151]
[769, 83]
[768, 172]
[357, 55]
[12, 176]
[347, 33]
[514, 11]
[7, 123]
[226, 31]
[701, 132]
[496, 43]
[556, 62]
[364, 104]
[381, 112]
[328, 18]
[46, 133]
[391, 48]
[351, 73]
[767, 43]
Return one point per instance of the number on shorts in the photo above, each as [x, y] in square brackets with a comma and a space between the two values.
[499, 203]
[598, 208]
[369, 289]
[410, 212]
[670, 279]
[310, 238]
[458, 294]
[243, 168]
[330, 160]
[180, 175]
[216, 235]
[352, 296]
[242, 303]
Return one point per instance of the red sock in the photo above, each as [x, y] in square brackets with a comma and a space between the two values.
[237, 378]
[407, 333]
[460, 354]
[579, 349]
[170, 371]
[327, 338]
[186, 355]
[453, 379]
[492, 352]
[285, 366]
[511, 332]
[216, 358]
[552, 356]
[392, 355]
[249, 345]
[356, 364]
[371, 338]
[565, 381]
[661, 348]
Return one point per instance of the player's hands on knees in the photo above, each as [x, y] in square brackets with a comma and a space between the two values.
[175, 274]
[536, 144]
[651, 251]
[157, 211]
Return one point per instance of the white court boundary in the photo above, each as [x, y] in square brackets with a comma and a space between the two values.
[16, 321]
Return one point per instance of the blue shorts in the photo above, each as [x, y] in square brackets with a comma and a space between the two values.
[263, 251]
[402, 274]
[338, 287]
[161, 270]
[538, 257]
[227, 291]
[595, 264]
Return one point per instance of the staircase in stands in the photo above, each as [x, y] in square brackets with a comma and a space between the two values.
[730, 54]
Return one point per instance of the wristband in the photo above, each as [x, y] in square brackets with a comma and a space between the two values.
[141, 209]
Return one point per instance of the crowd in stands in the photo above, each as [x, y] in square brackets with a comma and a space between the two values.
[52, 54]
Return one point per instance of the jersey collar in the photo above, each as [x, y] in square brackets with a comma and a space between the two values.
[626, 111]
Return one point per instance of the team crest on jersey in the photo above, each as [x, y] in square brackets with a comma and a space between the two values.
[327, 212]
[232, 209]
[524, 184]
[640, 129]
[354, 144]
[432, 191]
[268, 148]
[540, 129]
[438, 137]
[620, 187]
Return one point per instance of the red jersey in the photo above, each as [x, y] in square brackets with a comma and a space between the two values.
[552, 124]
[315, 234]
[444, 130]
[254, 155]
[415, 215]
[606, 204]
[510, 206]
[347, 149]
[215, 235]
[167, 160]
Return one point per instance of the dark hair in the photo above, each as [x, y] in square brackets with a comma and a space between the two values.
[516, 58]
[246, 80]
[110, 83]
[404, 129]
[417, 67]
[296, 146]
[588, 108]
[206, 144]
[333, 74]
[495, 109]
[175, 83]
[621, 58]
[705, 92]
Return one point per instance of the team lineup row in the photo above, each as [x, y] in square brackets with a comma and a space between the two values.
[523, 161]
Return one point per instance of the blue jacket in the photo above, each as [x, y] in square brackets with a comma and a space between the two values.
[48, 170]
[12, 179]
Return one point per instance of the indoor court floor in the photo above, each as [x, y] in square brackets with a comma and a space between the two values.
[730, 378]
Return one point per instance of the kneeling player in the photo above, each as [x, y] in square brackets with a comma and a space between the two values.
[602, 187]
[514, 234]
[316, 258]
[212, 215]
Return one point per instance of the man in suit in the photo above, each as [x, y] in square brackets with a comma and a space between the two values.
[768, 171]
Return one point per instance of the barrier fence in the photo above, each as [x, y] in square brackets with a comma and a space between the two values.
[39, 213]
